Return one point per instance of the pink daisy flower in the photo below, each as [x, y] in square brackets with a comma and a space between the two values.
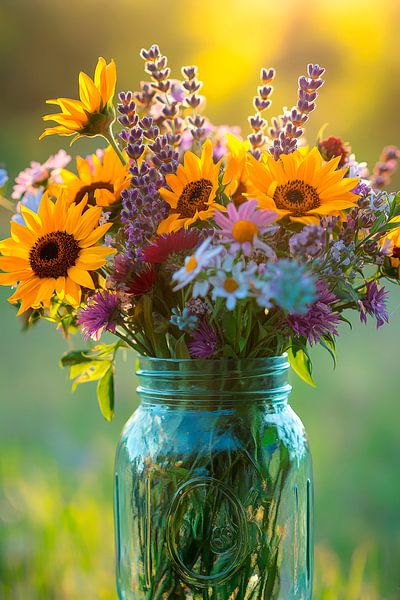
[39, 175]
[242, 227]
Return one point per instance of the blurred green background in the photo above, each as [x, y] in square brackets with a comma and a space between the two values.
[56, 451]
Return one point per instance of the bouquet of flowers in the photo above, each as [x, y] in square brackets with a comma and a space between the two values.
[188, 240]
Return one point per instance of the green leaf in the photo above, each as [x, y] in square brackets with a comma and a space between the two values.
[301, 364]
[74, 358]
[328, 342]
[229, 326]
[181, 349]
[105, 393]
[88, 372]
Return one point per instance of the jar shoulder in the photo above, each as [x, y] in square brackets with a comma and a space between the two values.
[155, 428]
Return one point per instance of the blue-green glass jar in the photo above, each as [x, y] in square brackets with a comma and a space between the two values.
[213, 485]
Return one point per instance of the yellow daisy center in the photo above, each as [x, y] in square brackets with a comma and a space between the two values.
[90, 190]
[194, 197]
[230, 285]
[244, 231]
[297, 197]
[191, 264]
[53, 254]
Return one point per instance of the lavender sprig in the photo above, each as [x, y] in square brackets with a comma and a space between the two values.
[385, 167]
[192, 85]
[166, 94]
[261, 102]
[285, 137]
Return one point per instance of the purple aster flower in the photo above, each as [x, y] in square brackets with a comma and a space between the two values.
[101, 312]
[374, 303]
[320, 320]
[204, 341]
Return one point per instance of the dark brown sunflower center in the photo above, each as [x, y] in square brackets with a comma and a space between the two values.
[238, 197]
[396, 252]
[53, 254]
[194, 197]
[90, 190]
[297, 197]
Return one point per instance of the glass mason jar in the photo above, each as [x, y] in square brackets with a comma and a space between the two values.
[213, 485]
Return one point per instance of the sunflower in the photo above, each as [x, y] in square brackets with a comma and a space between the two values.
[300, 185]
[236, 173]
[53, 252]
[192, 191]
[99, 179]
[94, 112]
[392, 242]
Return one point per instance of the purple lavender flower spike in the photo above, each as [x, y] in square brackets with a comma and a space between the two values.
[285, 137]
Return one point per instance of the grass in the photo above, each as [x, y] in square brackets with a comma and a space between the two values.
[57, 541]
[56, 538]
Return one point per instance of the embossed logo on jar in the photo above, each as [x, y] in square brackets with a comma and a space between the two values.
[207, 532]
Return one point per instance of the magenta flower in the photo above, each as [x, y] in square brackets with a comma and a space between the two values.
[204, 341]
[177, 242]
[102, 312]
[374, 303]
[319, 320]
[242, 226]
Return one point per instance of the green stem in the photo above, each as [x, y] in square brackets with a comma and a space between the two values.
[109, 136]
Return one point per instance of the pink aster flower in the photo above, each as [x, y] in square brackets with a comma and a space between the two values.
[242, 227]
[38, 175]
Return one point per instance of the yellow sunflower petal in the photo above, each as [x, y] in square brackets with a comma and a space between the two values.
[94, 237]
[100, 77]
[88, 93]
[60, 130]
[84, 170]
[22, 234]
[111, 78]
[73, 292]
[14, 277]
[81, 277]
[169, 224]
[88, 222]
[31, 219]
[13, 263]
[104, 197]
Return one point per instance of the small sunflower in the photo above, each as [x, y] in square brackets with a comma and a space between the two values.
[392, 243]
[94, 112]
[192, 191]
[236, 173]
[99, 179]
[53, 252]
[300, 185]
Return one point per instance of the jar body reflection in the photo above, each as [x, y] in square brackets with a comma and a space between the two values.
[213, 485]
